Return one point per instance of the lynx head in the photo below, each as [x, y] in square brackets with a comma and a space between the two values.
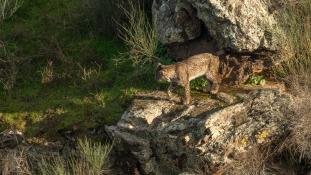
[164, 73]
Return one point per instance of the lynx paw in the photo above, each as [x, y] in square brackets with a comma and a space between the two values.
[186, 102]
[214, 91]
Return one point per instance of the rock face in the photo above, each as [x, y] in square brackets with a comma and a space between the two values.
[163, 137]
[243, 26]
[176, 21]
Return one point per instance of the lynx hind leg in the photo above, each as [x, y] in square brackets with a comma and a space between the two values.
[215, 87]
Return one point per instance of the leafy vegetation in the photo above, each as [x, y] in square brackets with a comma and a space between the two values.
[256, 80]
[199, 83]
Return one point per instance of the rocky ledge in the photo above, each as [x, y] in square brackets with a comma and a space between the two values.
[158, 136]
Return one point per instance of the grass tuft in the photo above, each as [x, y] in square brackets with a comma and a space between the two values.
[96, 156]
[295, 56]
[295, 69]
[56, 166]
[299, 140]
[14, 161]
[9, 7]
[139, 35]
[252, 163]
[92, 159]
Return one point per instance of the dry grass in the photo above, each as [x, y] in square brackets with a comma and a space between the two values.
[260, 160]
[295, 20]
[299, 141]
[15, 162]
[252, 163]
[56, 166]
[295, 68]
[139, 34]
[88, 74]
[47, 74]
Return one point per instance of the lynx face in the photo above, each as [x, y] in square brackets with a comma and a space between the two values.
[164, 73]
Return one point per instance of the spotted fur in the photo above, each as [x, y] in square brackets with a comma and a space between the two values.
[183, 72]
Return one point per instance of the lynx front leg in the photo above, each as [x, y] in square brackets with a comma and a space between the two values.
[187, 94]
[215, 80]
[169, 91]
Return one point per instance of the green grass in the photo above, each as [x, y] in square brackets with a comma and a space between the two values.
[62, 32]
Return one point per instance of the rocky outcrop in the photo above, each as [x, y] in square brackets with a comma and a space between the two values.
[176, 21]
[163, 137]
[243, 26]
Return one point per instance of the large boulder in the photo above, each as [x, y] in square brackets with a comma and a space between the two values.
[163, 137]
[243, 26]
[176, 21]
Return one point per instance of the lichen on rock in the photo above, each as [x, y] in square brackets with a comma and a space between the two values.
[162, 136]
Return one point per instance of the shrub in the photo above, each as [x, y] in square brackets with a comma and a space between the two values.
[92, 159]
[95, 156]
[139, 35]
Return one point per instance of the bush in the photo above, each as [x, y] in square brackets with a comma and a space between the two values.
[92, 159]
[95, 155]
[139, 35]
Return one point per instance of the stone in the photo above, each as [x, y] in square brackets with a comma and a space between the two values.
[242, 26]
[208, 134]
[175, 21]
[227, 98]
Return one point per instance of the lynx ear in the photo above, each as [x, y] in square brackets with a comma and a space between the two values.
[159, 65]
